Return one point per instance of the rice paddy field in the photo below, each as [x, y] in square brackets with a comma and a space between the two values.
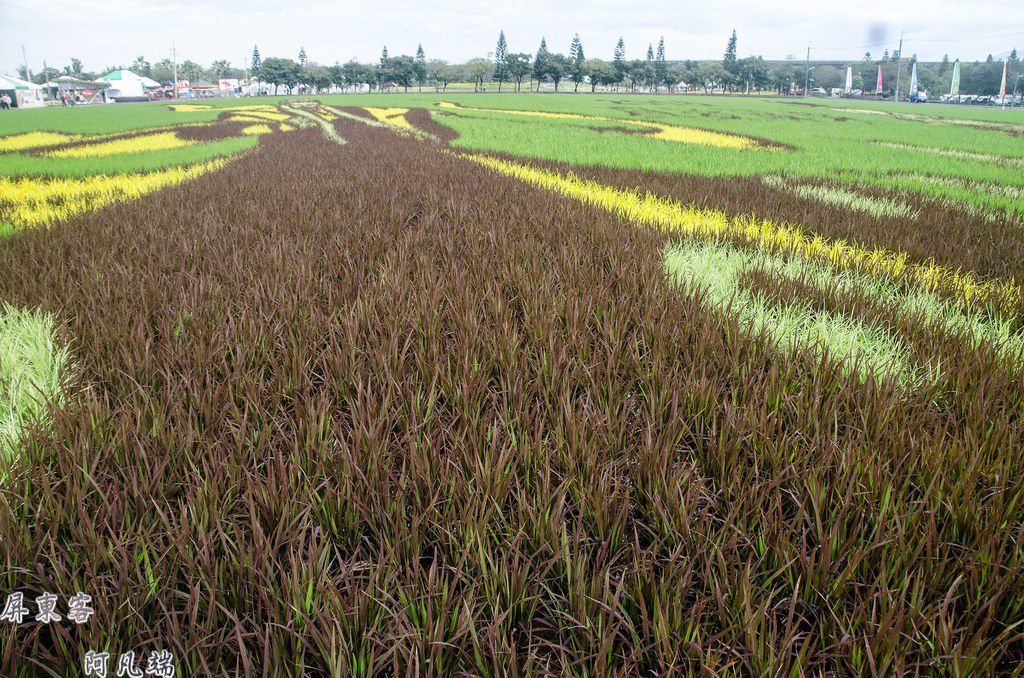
[494, 385]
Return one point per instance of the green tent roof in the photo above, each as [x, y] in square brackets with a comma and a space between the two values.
[9, 82]
[122, 75]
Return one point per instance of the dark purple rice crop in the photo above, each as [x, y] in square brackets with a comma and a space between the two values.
[374, 410]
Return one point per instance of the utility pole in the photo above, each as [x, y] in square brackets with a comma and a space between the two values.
[899, 67]
[807, 70]
[174, 59]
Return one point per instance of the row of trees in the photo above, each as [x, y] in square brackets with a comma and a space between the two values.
[161, 71]
[399, 71]
[554, 67]
[732, 73]
[980, 77]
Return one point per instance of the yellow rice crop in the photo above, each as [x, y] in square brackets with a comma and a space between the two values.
[141, 144]
[38, 202]
[285, 127]
[690, 135]
[257, 129]
[395, 117]
[265, 115]
[192, 108]
[532, 114]
[664, 132]
[671, 216]
[189, 108]
[30, 140]
[238, 117]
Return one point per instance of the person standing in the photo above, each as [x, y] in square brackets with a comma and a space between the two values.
[5, 101]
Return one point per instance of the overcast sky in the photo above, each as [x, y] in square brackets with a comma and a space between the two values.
[106, 33]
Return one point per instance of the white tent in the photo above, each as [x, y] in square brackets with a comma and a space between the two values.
[128, 85]
[24, 94]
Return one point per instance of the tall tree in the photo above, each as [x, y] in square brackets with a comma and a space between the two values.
[302, 57]
[421, 66]
[479, 69]
[619, 59]
[357, 74]
[221, 68]
[403, 70]
[191, 69]
[558, 67]
[501, 60]
[318, 77]
[518, 65]
[141, 67]
[442, 73]
[336, 75]
[46, 74]
[279, 72]
[382, 68]
[660, 65]
[636, 73]
[163, 70]
[753, 73]
[576, 70]
[255, 64]
[540, 62]
[944, 66]
[729, 60]
[600, 73]
[649, 70]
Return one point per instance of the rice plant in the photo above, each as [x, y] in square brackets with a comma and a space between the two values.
[383, 408]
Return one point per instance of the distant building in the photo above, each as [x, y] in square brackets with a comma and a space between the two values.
[23, 94]
[127, 86]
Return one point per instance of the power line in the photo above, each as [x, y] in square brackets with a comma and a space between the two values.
[912, 39]
[986, 37]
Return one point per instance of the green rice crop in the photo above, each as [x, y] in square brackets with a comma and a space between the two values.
[32, 366]
[99, 119]
[22, 164]
[846, 199]
[716, 269]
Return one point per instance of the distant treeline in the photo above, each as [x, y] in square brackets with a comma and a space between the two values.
[504, 68]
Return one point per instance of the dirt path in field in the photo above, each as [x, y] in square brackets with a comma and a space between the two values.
[374, 408]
